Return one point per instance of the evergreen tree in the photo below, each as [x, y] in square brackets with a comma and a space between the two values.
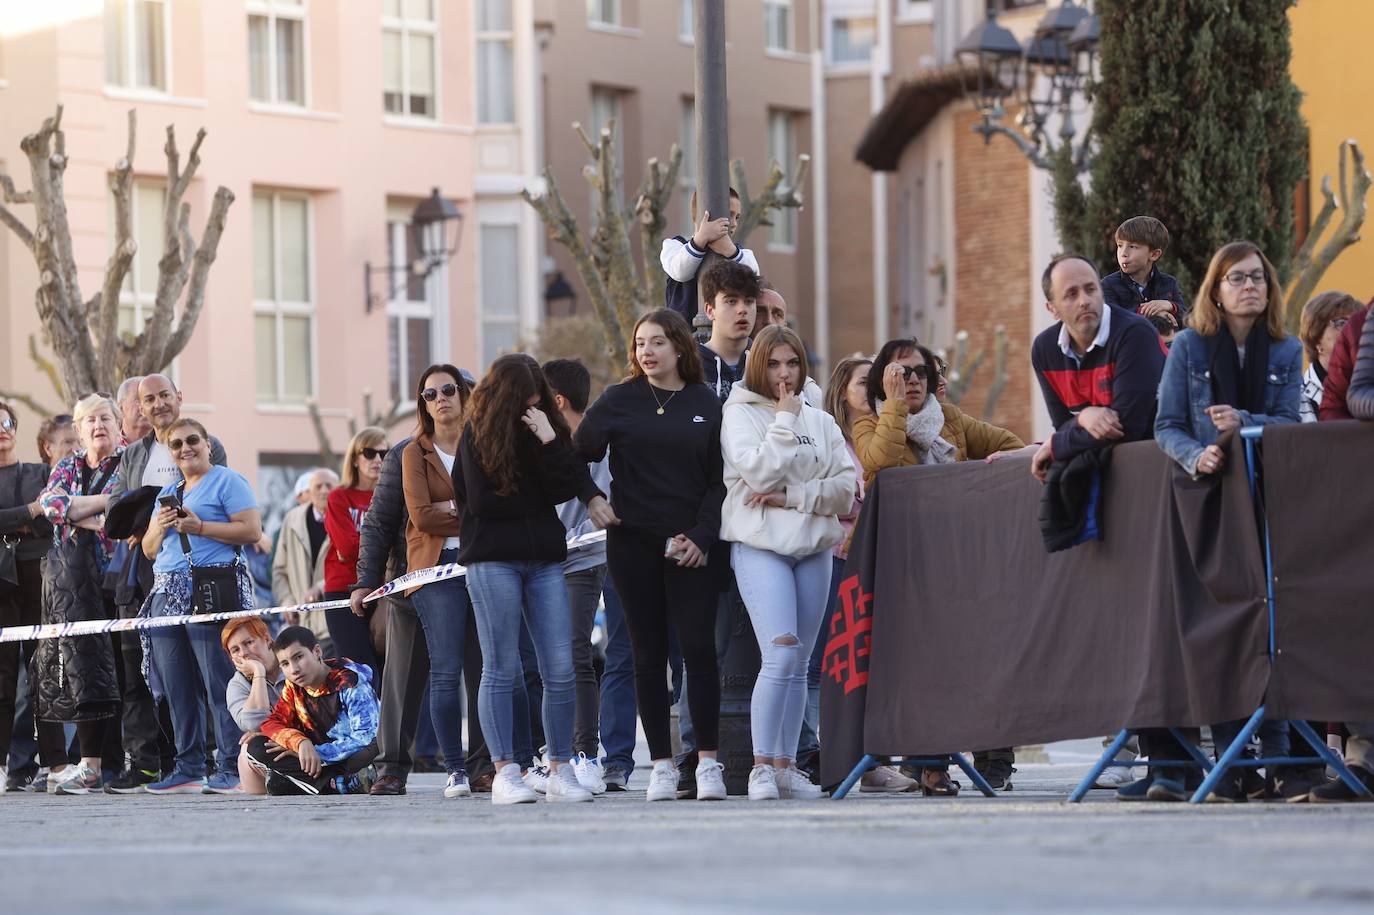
[1197, 123]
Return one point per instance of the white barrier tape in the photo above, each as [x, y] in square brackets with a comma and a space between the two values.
[101, 627]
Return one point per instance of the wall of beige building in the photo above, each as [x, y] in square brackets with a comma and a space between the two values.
[643, 66]
[336, 148]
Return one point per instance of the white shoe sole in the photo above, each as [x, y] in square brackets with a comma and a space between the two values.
[651, 797]
[583, 797]
[451, 793]
[505, 800]
[764, 796]
[179, 789]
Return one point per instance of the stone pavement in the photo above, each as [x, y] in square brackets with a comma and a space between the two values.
[1022, 852]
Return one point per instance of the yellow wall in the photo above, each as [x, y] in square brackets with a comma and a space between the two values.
[1330, 66]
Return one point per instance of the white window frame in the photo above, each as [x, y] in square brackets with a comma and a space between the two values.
[785, 218]
[129, 43]
[836, 10]
[687, 172]
[489, 35]
[403, 308]
[915, 12]
[279, 308]
[496, 220]
[273, 11]
[405, 27]
[686, 22]
[139, 299]
[617, 20]
[791, 37]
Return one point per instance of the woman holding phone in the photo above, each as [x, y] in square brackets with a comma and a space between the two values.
[662, 426]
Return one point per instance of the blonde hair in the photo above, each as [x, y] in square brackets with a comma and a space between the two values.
[1206, 316]
[769, 339]
[836, 402]
[92, 403]
[369, 437]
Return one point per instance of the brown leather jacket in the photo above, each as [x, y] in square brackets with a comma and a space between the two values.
[425, 482]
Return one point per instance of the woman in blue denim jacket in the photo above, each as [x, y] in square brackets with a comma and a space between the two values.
[1233, 367]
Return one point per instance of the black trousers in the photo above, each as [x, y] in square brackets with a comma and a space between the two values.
[139, 718]
[23, 607]
[352, 636]
[292, 780]
[403, 691]
[658, 594]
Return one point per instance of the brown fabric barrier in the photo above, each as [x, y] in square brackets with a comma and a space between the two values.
[979, 638]
[1319, 487]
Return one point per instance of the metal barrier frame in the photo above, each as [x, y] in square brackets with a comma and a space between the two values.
[958, 759]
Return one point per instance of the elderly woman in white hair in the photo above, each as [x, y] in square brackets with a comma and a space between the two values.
[75, 676]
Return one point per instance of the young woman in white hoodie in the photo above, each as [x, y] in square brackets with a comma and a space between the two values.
[788, 477]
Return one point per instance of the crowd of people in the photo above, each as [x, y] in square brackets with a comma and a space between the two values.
[723, 476]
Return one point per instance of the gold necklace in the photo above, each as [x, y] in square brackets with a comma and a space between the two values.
[665, 403]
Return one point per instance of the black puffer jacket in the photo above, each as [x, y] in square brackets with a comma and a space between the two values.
[1359, 399]
[73, 679]
[382, 537]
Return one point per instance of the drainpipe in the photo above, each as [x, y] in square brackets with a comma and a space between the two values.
[820, 203]
[880, 67]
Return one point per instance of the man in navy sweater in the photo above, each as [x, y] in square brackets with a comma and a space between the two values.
[1098, 367]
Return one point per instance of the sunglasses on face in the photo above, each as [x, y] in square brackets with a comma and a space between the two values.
[373, 454]
[8, 425]
[431, 395]
[189, 441]
[918, 371]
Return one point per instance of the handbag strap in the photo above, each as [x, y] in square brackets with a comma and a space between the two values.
[186, 541]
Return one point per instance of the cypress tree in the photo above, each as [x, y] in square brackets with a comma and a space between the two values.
[1198, 124]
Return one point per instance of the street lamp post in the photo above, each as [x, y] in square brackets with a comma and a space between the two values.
[436, 227]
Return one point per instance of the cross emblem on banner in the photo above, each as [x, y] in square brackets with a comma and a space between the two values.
[847, 650]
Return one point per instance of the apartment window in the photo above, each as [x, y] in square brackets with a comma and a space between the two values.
[495, 62]
[137, 39]
[409, 38]
[912, 11]
[851, 32]
[777, 25]
[687, 173]
[410, 313]
[604, 12]
[500, 281]
[782, 149]
[686, 21]
[276, 51]
[283, 298]
[139, 293]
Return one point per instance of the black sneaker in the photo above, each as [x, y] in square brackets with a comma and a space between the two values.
[1254, 784]
[997, 773]
[687, 778]
[1229, 790]
[616, 778]
[1336, 791]
[19, 781]
[1292, 785]
[131, 781]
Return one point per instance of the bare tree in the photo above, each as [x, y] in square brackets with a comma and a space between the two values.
[329, 456]
[618, 291]
[90, 353]
[1311, 264]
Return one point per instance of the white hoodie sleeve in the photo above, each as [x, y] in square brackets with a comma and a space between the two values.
[681, 259]
[831, 492]
[760, 459]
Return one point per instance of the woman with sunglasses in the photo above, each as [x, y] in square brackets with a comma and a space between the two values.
[432, 538]
[343, 518]
[217, 512]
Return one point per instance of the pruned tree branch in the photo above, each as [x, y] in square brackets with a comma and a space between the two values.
[201, 260]
[45, 365]
[650, 212]
[999, 372]
[7, 216]
[104, 308]
[328, 458]
[26, 400]
[779, 191]
[1312, 263]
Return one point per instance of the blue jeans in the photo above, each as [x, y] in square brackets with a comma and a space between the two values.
[443, 608]
[529, 691]
[618, 711]
[503, 593]
[810, 740]
[193, 665]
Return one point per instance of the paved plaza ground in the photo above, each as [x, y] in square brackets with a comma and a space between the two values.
[1023, 852]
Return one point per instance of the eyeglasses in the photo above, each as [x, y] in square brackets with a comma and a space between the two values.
[1338, 324]
[1237, 278]
[919, 371]
[432, 395]
[8, 425]
[189, 441]
[373, 454]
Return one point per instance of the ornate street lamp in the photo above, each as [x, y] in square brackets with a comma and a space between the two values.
[1054, 67]
[435, 230]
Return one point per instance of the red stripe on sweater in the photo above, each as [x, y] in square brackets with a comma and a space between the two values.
[1079, 388]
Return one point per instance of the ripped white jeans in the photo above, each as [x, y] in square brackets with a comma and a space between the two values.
[786, 598]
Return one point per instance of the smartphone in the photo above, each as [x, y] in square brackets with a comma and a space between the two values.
[171, 502]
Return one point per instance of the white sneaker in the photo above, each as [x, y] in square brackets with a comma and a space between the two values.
[4, 779]
[793, 783]
[457, 785]
[509, 788]
[662, 782]
[589, 773]
[563, 786]
[77, 779]
[1114, 777]
[537, 777]
[710, 780]
[886, 780]
[763, 784]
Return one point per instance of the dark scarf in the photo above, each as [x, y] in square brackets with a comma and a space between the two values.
[1232, 385]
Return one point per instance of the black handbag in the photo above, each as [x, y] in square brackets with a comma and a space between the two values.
[214, 589]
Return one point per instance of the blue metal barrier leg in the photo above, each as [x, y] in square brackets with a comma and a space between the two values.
[1192, 749]
[974, 775]
[1105, 760]
[868, 762]
[1331, 758]
[1232, 752]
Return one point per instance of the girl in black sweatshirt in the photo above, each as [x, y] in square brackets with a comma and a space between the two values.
[662, 425]
[515, 464]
